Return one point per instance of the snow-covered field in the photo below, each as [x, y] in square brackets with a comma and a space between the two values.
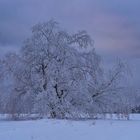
[47, 129]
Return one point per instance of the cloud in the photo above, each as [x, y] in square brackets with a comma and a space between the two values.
[114, 33]
[114, 25]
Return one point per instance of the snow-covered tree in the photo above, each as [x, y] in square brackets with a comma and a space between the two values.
[60, 75]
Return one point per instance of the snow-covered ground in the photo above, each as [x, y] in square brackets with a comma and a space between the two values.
[47, 129]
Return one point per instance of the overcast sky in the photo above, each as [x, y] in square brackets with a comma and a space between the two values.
[113, 24]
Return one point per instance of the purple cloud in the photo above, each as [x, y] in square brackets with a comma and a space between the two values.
[113, 24]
